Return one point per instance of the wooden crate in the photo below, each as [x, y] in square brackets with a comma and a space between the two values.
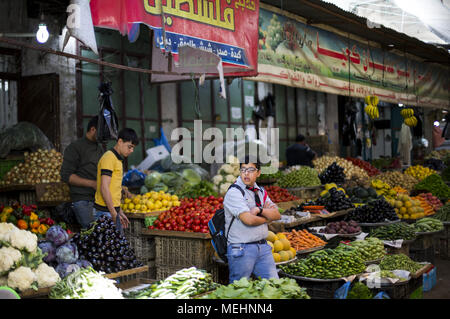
[24, 194]
[288, 205]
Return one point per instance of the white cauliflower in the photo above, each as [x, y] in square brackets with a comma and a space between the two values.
[224, 187]
[217, 179]
[5, 231]
[22, 239]
[230, 178]
[232, 160]
[226, 169]
[9, 257]
[46, 276]
[4, 281]
[22, 278]
[237, 172]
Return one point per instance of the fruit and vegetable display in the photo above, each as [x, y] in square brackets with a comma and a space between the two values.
[278, 194]
[332, 174]
[399, 262]
[350, 170]
[184, 284]
[342, 228]
[192, 215]
[396, 178]
[269, 177]
[362, 195]
[369, 249]
[327, 264]
[150, 202]
[62, 253]
[85, 283]
[171, 182]
[26, 217]
[104, 247]
[374, 212]
[56, 193]
[394, 232]
[204, 188]
[382, 188]
[435, 185]
[39, 167]
[281, 247]
[226, 175]
[305, 176]
[371, 170]
[435, 164]
[427, 224]
[303, 239]
[21, 264]
[428, 203]
[334, 201]
[283, 288]
[359, 291]
[387, 163]
[406, 207]
[439, 154]
[400, 190]
[443, 214]
[330, 186]
[419, 172]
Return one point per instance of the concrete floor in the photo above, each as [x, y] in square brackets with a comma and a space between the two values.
[442, 288]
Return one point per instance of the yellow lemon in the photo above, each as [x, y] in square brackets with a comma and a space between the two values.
[124, 207]
[150, 205]
[158, 204]
[176, 203]
[165, 202]
[127, 200]
[174, 197]
[136, 200]
[155, 197]
[130, 206]
[278, 245]
[276, 257]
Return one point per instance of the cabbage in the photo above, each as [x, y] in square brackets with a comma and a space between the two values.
[160, 187]
[48, 248]
[67, 253]
[57, 235]
[84, 263]
[65, 269]
[171, 178]
[144, 190]
[191, 176]
[152, 179]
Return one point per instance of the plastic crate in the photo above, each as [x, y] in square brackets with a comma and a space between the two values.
[6, 165]
[317, 289]
[398, 291]
[429, 280]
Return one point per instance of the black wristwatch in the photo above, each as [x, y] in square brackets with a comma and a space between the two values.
[260, 212]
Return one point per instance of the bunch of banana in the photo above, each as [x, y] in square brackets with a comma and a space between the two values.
[408, 116]
[371, 108]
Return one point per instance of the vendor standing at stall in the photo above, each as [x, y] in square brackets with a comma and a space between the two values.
[300, 153]
[248, 210]
[79, 170]
[109, 178]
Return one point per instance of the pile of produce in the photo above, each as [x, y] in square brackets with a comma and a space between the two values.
[400, 190]
[326, 264]
[204, 188]
[342, 228]
[62, 253]
[302, 239]
[426, 225]
[371, 170]
[359, 291]
[56, 193]
[374, 212]
[443, 214]
[394, 232]
[428, 208]
[419, 172]
[435, 185]
[382, 188]
[85, 284]
[21, 264]
[171, 182]
[350, 170]
[42, 166]
[334, 201]
[399, 262]
[396, 178]
[387, 163]
[278, 194]
[226, 175]
[281, 247]
[269, 177]
[305, 176]
[406, 207]
[332, 174]
[440, 154]
[330, 186]
[26, 217]
[184, 284]
[435, 164]
[150, 202]
[192, 215]
[362, 195]
[370, 248]
[104, 247]
[356, 182]
[283, 288]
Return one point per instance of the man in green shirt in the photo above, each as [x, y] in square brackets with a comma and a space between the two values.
[79, 170]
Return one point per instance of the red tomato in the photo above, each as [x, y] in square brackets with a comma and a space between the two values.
[197, 229]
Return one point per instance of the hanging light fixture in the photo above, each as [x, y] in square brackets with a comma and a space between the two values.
[42, 33]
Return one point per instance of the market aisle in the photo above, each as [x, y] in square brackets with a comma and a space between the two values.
[442, 288]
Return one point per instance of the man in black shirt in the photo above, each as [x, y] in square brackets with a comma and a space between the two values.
[79, 170]
[300, 153]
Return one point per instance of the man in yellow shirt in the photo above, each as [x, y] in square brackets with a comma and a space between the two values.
[109, 178]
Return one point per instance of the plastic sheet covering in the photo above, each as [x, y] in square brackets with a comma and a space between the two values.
[23, 136]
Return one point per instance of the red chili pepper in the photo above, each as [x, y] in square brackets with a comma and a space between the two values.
[50, 221]
[68, 231]
[33, 207]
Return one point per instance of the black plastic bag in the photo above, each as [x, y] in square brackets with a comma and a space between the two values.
[108, 126]
[64, 213]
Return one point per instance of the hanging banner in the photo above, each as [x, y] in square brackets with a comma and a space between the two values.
[227, 28]
[295, 54]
